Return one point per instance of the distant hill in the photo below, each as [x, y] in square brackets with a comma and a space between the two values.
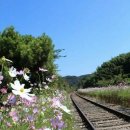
[74, 81]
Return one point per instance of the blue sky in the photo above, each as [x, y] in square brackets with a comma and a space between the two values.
[90, 31]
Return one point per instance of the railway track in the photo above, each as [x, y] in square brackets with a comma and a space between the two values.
[99, 117]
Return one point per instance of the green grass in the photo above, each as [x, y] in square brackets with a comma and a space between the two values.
[119, 96]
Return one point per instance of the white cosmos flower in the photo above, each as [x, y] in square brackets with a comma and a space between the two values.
[26, 77]
[12, 72]
[46, 87]
[56, 103]
[48, 79]
[47, 129]
[42, 69]
[65, 109]
[19, 90]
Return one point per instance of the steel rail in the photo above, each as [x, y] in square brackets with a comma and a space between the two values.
[119, 114]
[83, 116]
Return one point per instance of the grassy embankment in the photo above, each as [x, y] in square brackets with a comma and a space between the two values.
[116, 95]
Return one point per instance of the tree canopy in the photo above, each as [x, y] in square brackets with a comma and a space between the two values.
[27, 51]
[112, 72]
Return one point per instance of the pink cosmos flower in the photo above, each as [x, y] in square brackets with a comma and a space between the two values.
[12, 113]
[15, 118]
[56, 102]
[26, 102]
[34, 99]
[8, 124]
[35, 110]
[3, 90]
[33, 127]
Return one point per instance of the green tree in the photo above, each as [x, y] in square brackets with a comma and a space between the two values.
[27, 51]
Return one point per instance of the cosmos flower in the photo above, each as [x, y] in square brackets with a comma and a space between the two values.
[44, 83]
[11, 99]
[8, 124]
[20, 72]
[12, 113]
[46, 129]
[1, 77]
[53, 76]
[42, 69]
[12, 72]
[15, 118]
[57, 124]
[35, 110]
[48, 79]
[46, 87]
[3, 90]
[18, 89]
[57, 104]
[64, 108]
[30, 118]
[26, 77]
[33, 127]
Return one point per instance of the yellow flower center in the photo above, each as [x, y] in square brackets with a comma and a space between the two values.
[22, 90]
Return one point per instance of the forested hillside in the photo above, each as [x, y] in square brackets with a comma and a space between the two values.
[113, 72]
[74, 81]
